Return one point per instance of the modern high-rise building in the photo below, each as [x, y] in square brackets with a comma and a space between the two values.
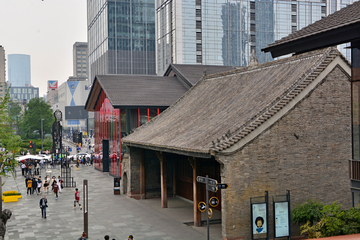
[24, 94]
[80, 59]
[121, 37]
[225, 32]
[2, 72]
[19, 70]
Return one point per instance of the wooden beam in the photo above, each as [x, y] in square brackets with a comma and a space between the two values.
[162, 158]
[196, 192]
[142, 175]
[174, 179]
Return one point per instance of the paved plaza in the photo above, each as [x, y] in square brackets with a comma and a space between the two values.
[115, 215]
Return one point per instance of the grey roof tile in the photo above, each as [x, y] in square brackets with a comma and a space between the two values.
[223, 108]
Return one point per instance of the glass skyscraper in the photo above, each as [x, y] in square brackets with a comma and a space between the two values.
[121, 37]
[19, 70]
[224, 32]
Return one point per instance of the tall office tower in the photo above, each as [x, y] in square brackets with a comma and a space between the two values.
[2, 72]
[121, 37]
[80, 63]
[225, 32]
[19, 70]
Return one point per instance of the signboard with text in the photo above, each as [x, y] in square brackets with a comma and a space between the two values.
[260, 217]
[281, 219]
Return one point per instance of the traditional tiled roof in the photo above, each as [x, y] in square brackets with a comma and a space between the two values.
[191, 74]
[346, 17]
[223, 108]
[139, 91]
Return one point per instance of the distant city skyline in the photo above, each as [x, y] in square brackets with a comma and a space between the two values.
[45, 30]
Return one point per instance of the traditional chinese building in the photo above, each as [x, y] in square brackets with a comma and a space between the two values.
[277, 126]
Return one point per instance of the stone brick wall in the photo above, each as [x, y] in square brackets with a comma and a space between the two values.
[306, 152]
[134, 174]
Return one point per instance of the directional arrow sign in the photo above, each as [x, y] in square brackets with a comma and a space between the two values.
[212, 189]
[211, 182]
[202, 206]
[222, 186]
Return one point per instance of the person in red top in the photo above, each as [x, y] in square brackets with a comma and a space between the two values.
[77, 198]
[55, 189]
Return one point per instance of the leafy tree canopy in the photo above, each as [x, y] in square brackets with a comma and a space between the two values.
[8, 139]
[14, 109]
[30, 125]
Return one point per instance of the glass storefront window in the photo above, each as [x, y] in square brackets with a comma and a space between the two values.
[111, 124]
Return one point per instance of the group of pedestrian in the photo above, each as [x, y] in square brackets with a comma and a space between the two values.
[29, 167]
[106, 237]
[33, 184]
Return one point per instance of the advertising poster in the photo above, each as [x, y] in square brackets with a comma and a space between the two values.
[259, 218]
[281, 219]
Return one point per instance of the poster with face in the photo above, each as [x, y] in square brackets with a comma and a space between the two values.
[259, 218]
[281, 219]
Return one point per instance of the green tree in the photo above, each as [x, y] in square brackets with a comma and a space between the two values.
[11, 143]
[8, 139]
[30, 124]
[14, 109]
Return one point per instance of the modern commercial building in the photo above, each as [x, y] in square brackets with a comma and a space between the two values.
[52, 92]
[19, 74]
[24, 94]
[121, 37]
[70, 100]
[225, 32]
[2, 72]
[80, 60]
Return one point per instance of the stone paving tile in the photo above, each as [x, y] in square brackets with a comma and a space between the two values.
[114, 215]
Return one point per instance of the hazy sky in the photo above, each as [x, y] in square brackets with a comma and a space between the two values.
[46, 30]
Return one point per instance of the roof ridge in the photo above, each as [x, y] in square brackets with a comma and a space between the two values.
[271, 64]
[229, 139]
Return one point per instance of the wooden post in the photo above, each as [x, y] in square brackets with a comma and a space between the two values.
[174, 180]
[196, 193]
[163, 180]
[142, 175]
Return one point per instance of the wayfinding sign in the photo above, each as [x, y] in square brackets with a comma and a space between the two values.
[211, 182]
[202, 206]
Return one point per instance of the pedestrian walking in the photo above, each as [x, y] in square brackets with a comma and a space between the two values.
[39, 185]
[55, 189]
[130, 237]
[23, 167]
[106, 237]
[37, 169]
[43, 206]
[34, 184]
[29, 186]
[46, 187]
[83, 236]
[59, 183]
[77, 198]
[30, 168]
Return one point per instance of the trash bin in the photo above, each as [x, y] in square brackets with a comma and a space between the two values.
[116, 186]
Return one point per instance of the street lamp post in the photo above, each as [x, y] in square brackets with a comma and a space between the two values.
[42, 135]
